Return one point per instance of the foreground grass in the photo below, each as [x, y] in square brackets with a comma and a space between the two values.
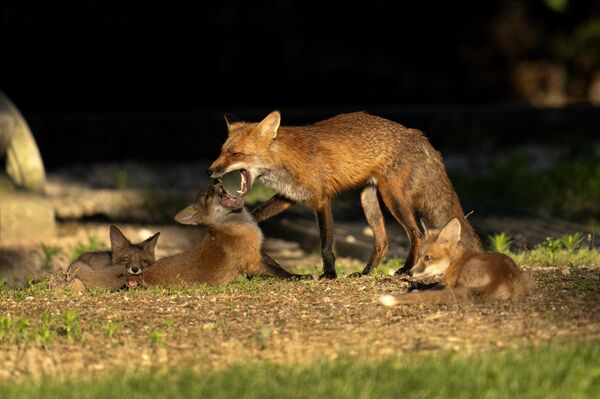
[551, 371]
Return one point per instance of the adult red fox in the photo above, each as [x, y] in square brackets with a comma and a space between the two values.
[231, 247]
[313, 163]
[468, 275]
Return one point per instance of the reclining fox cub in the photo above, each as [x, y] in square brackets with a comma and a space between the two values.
[108, 269]
[231, 247]
[467, 275]
[312, 164]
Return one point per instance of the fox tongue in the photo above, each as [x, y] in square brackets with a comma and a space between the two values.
[132, 283]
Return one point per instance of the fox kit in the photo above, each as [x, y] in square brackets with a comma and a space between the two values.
[312, 164]
[108, 269]
[232, 245]
[467, 275]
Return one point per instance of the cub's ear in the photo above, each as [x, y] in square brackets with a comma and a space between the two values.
[150, 243]
[117, 239]
[450, 233]
[230, 119]
[187, 216]
[269, 126]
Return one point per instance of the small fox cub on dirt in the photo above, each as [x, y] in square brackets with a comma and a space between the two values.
[107, 269]
[468, 276]
[231, 247]
[314, 163]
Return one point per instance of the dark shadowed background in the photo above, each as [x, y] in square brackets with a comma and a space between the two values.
[94, 78]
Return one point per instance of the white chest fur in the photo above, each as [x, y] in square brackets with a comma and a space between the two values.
[284, 183]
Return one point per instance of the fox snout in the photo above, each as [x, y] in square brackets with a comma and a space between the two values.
[416, 270]
[216, 170]
[134, 270]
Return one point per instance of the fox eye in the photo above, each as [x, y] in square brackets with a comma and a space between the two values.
[144, 262]
[427, 258]
[124, 259]
[233, 153]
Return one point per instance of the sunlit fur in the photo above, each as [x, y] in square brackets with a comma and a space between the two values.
[231, 247]
[314, 163]
[467, 275]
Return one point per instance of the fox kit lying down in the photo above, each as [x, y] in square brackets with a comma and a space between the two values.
[231, 247]
[107, 269]
[467, 275]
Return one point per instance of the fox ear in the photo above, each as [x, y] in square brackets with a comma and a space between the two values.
[269, 126]
[187, 216]
[117, 239]
[230, 119]
[450, 233]
[150, 243]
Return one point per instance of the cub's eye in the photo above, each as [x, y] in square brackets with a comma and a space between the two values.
[233, 153]
[124, 259]
[427, 258]
[145, 262]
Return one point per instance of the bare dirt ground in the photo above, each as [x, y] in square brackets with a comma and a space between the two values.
[285, 322]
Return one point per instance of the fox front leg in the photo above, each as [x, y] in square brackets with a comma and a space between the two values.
[274, 206]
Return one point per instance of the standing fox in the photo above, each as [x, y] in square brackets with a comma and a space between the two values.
[231, 247]
[312, 164]
[468, 275]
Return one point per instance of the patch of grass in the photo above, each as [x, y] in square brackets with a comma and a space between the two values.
[569, 188]
[262, 334]
[563, 251]
[92, 245]
[500, 243]
[550, 371]
[122, 179]
[388, 267]
[71, 327]
[156, 337]
[111, 328]
[49, 253]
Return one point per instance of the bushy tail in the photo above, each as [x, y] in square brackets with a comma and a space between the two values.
[445, 296]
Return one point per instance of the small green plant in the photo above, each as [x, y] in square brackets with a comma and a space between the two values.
[122, 179]
[22, 329]
[49, 253]
[500, 243]
[263, 334]
[6, 324]
[553, 245]
[156, 337]
[169, 323]
[71, 327]
[230, 304]
[571, 241]
[44, 333]
[92, 245]
[111, 328]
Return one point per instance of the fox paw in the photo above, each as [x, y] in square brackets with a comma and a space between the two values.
[357, 275]
[330, 275]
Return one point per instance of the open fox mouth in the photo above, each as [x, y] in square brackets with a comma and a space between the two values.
[227, 200]
[132, 283]
[245, 182]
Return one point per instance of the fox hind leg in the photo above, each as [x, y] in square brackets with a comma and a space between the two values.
[392, 192]
[370, 205]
